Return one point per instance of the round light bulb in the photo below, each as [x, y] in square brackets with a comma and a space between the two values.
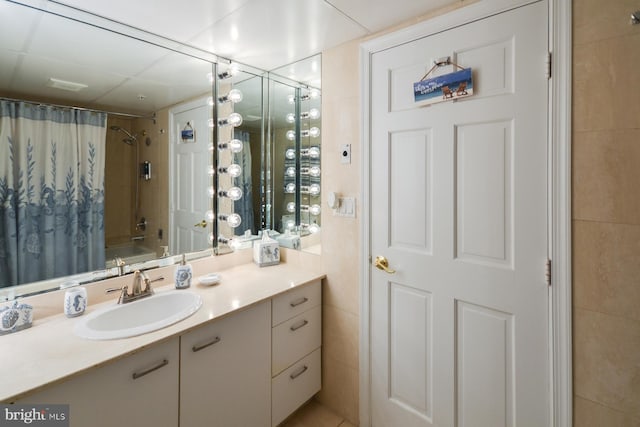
[210, 123]
[290, 118]
[314, 189]
[209, 216]
[290, 154]
[291, 207]
[210, 170]
[210, 101]
[314, 132]
[291, 99]
[210, 238]
[210, 147]
[234, 220]
[315, 209]
[234, 193]
[314, 113]
[211, 192]
[234, 170]
[234, 119]
[291, 135]
[314, 228]
[314, 93]
[314, 152]
[314, 171]
[235, 145]
[210, 77]
[290, 188]
[235, 95]
[291, 224]
[291, 172]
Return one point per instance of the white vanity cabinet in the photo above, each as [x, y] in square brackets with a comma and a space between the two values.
[139, 390]
[296, 359]
[225, 371]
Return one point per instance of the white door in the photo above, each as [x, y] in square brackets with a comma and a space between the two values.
[190, 180]
[459, 334]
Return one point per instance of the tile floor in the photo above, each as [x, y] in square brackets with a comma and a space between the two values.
[313, 414]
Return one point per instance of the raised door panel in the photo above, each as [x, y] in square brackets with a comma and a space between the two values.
[110, 395]
[226, 370]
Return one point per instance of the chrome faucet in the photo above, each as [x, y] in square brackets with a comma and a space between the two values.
[120, 263]
[137, 290]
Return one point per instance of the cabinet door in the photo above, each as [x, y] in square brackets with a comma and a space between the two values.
[226, 371]
[140, 390]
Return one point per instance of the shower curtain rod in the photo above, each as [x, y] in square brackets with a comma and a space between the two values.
[152, 117]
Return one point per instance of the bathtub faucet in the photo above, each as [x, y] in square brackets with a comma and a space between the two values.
[137, 238]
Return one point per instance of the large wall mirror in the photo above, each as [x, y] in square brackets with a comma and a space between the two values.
[148, 114]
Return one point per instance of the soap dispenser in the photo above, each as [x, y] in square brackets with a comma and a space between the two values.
[183, 274]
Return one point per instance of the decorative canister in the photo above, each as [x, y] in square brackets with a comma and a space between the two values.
[75, 301]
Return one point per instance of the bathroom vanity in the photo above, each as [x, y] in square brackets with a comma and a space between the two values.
[250, 356]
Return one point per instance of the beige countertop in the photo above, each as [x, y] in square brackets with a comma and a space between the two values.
[50, 352]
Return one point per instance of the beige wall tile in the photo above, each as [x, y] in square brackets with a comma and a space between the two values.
[607, 360]
[606, 265]
[605, 87]
[605, 174]
[340, 389]
[340, 336]
[592, 414]
[597, 20]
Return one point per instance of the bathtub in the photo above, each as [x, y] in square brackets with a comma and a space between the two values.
[130, 254]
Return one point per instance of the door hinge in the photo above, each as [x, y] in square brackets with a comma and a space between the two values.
[548, 66]
[547, 272]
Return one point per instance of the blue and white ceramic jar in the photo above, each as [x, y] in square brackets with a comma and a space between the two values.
[75, 301]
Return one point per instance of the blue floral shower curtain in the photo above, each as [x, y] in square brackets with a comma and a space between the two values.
[51, 191]
[244, 206]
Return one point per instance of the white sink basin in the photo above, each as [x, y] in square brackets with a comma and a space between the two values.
[138, 317]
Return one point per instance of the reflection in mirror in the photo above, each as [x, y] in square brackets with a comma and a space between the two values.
[295, 122]
[130, 92]
[239, 136]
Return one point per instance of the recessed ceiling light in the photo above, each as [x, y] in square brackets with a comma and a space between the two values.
[65, 85]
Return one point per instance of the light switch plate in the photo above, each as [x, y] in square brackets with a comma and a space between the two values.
[346, 207]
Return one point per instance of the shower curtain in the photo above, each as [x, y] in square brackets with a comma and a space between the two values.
[51, 191]
[244, 206]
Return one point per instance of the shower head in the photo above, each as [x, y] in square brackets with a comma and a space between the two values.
[130, 138]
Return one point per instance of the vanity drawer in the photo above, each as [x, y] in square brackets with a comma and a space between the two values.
[295, 338]
[295, 302]
[295, 386]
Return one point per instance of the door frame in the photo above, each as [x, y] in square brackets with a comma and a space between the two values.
[559, 190]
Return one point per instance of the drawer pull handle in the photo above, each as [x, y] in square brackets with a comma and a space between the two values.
[299, 325]
[299, 301]
[196, 348]
[137, 375]
[300, 372]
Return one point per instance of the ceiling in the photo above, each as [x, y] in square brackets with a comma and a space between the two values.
[125, 74]
[266, 34]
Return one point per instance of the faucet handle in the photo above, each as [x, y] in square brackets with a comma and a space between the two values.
[123, 293]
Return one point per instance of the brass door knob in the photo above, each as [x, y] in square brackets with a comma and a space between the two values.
[382, 263]
[202, 224]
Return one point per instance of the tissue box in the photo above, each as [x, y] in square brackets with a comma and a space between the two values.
[266, 251]
[15, 318]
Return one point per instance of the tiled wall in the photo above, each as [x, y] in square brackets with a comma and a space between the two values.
[119, 161]
[606, 213]
[340, 236]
